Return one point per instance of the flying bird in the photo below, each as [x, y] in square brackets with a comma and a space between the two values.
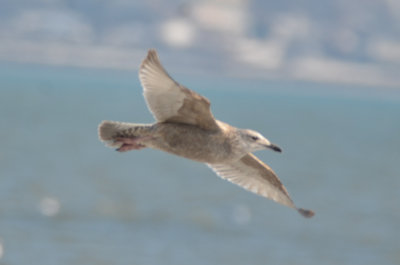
[186, 127]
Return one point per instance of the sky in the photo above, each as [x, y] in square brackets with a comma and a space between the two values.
[344, 41]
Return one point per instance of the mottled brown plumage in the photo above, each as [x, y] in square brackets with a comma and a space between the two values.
[186, 127]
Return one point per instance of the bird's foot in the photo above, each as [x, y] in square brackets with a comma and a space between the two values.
[128, 144]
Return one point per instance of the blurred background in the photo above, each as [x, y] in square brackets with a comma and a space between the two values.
[353, 41]
[319, 78]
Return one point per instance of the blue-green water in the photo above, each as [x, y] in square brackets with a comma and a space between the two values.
[67, 199]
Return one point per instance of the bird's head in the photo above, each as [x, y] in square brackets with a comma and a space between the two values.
[253, 141]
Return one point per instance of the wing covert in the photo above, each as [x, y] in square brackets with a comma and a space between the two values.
[169, 101]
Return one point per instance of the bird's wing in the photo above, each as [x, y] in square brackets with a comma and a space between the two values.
[169, 101]
[252, 174]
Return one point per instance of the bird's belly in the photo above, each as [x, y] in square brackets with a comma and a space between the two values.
[193, 143]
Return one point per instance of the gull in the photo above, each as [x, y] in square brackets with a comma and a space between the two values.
[186, 127]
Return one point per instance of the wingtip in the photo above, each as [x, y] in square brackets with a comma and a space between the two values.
[151, 60]
[152, 53]
[305, 212]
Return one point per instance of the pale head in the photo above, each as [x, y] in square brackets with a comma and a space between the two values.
[254, 141]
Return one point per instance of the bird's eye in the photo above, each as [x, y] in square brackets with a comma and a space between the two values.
[254, 138]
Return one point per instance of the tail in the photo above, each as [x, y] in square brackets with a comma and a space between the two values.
[109, 130]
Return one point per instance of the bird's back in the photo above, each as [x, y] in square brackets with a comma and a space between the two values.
[193, 142]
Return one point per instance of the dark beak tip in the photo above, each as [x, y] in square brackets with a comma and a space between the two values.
[276, 148]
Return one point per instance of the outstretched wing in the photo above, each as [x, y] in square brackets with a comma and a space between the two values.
[252, 174]
[169, 101]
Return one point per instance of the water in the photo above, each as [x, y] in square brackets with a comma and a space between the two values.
[67, 199]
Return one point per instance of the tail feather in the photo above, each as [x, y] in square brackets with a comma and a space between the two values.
[109, 130]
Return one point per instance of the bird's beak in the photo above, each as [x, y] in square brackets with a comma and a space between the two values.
[272, 146]
[275, 148]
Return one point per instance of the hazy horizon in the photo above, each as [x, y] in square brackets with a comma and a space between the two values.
[345, 42]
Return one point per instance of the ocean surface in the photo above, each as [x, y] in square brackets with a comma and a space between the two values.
[67, 199]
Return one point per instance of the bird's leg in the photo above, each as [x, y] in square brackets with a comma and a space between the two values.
[130, 143]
